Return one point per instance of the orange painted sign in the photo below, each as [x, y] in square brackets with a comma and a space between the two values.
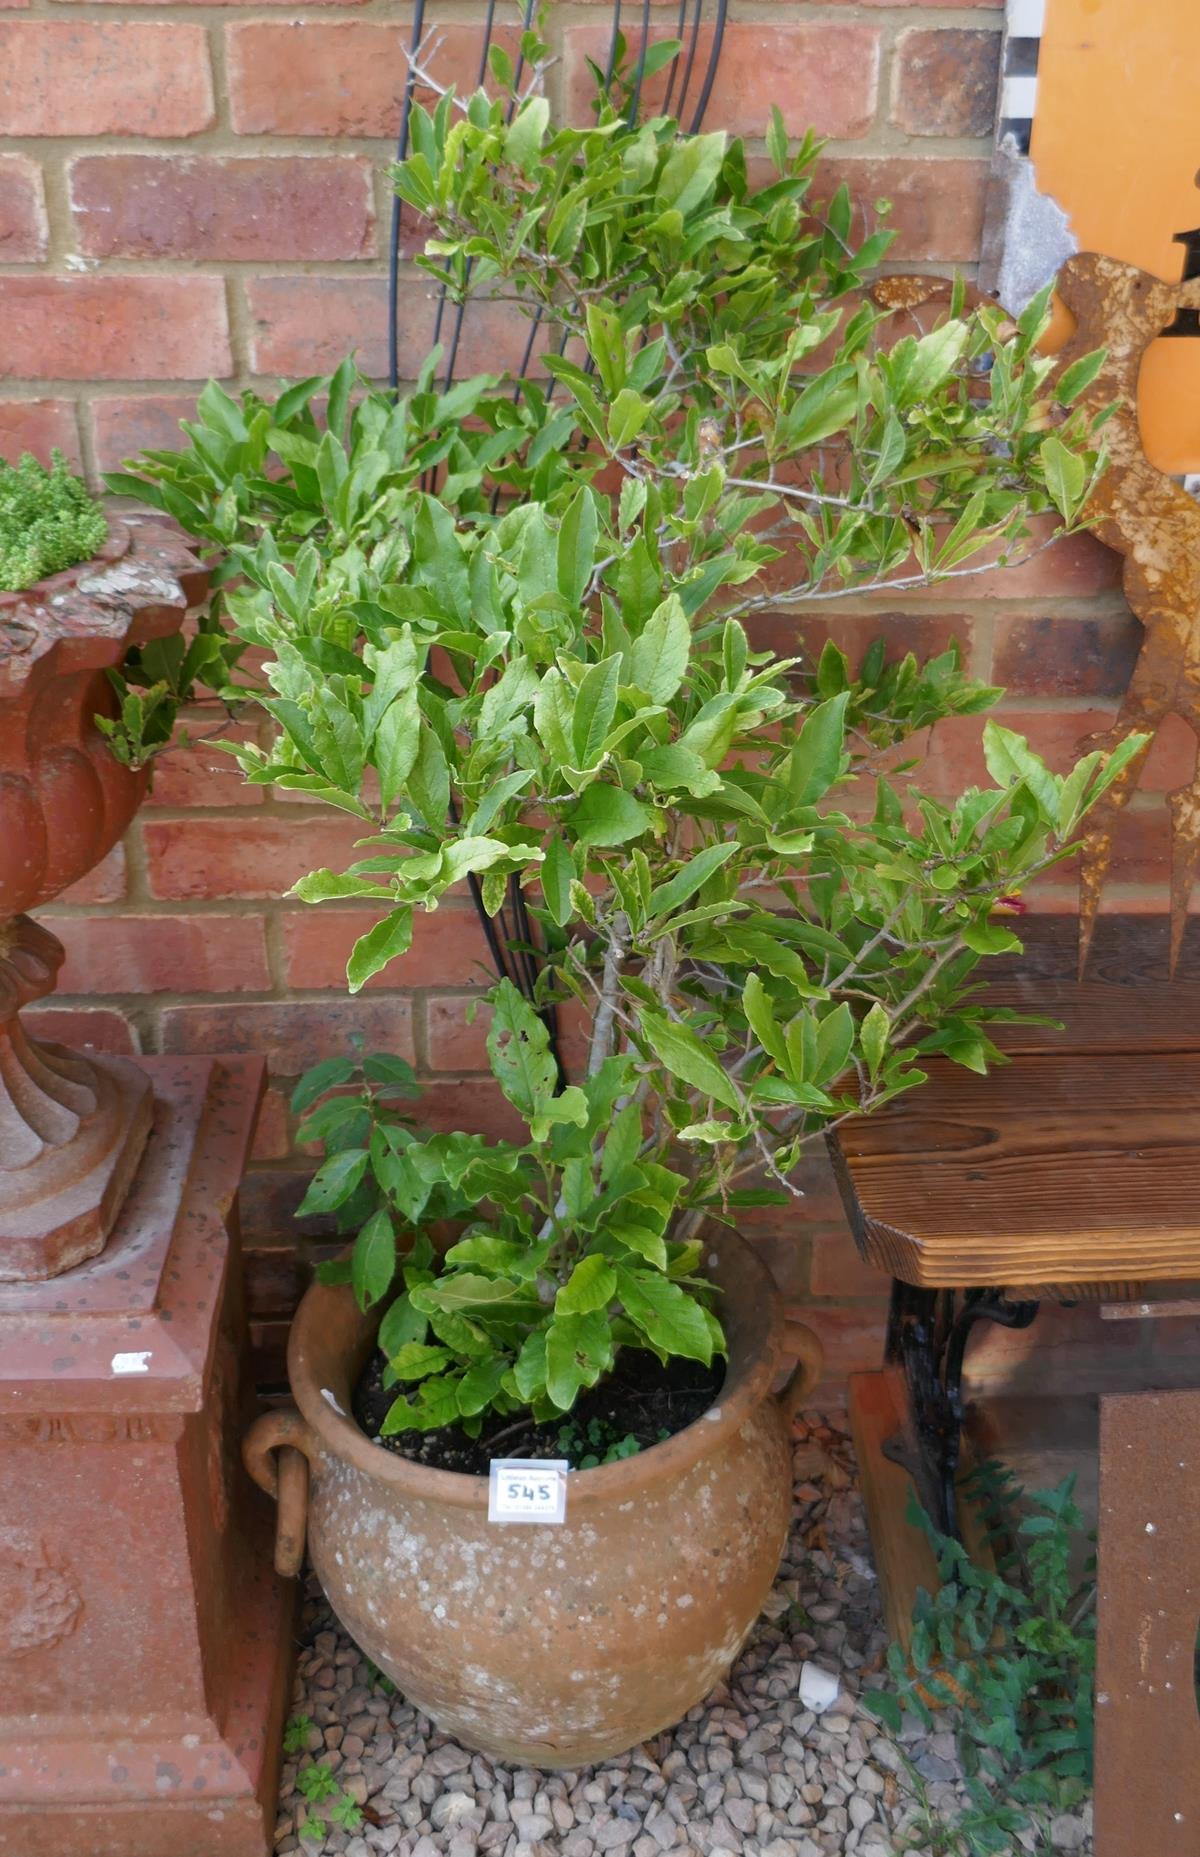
[1116, 141]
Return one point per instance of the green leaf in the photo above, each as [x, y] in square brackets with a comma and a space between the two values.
[873, 1037]
[990, 938]
[827, 405]
[579, 1348]
[402, 1324]
[669, 896]
[622, 1143]
[607, 816]
[835, 1041]
[464, 1292]
[326, 1075]
[1066, 476]
[393, 1073]
[760, 1013]
[526, 132]
[390, 937]
[333, 1183]
[373, 1261]
[657, 661]
[680, 1051]
[691, 171]
[558, 874]
[577, 547]
[591, 1285]
[626, 417]
[480, 1384]
[816, 756]
[413, 1360]
[595, 706]
[519, 1049]
[1074, 380]
[777, 140]
[665, 1312]
[1010, 759]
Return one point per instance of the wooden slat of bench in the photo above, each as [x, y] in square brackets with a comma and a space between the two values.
[1052, 1169]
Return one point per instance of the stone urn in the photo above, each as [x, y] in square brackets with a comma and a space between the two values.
[548, 1646]
[72, 1128]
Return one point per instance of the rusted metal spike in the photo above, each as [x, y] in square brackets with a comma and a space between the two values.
[1145, 516]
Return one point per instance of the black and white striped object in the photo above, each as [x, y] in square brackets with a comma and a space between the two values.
[1018, 93]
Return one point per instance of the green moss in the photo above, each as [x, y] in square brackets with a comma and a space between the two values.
[47, 522]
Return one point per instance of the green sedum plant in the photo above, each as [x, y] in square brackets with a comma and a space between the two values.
[48, 521]
[512, 633]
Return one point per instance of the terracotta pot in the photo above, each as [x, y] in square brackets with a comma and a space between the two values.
[552, 1646]
[71, 1128]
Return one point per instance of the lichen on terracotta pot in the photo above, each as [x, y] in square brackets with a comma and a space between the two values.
[552, 1646]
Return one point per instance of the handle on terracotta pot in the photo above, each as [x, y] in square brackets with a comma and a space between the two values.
[286, 1480]
[800, 1340]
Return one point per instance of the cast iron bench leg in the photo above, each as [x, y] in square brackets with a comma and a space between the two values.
[927, 1337]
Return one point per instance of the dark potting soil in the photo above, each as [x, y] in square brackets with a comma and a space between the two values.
[640, 1398]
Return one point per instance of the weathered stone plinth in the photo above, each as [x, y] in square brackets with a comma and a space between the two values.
[144, 1639]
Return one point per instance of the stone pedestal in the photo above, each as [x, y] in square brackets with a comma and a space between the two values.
[144, 1639]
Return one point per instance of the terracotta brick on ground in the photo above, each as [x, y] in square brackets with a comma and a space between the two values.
[211, 206]
[106, 882]
[23, 230]
[163, 954]
[201, 774]
[937, 204]
[291, 1034]
[448, 948]
[823, 75]
[255, 856]
[109, 327]
[945, 81]
[39, 426]
[125, 425]
[101, 1027]
[1071, 656]
[306, 325]
[343, 79]
[76, 77]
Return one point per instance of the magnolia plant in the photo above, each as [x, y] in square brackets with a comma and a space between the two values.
[512, 633]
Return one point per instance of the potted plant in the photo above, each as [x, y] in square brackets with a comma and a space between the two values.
[513, 635]
[86, 604]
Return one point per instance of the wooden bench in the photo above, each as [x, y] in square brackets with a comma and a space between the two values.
[1070, 1173]
[1073, 1172]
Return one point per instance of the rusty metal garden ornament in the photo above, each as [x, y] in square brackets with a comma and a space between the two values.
[1146, 516]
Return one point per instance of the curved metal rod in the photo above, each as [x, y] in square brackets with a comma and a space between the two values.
[679, 25]
[635, 95]
[714, 56]
[418, 27]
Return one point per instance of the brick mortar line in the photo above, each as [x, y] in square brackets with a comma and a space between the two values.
[223, 140]
[469, 12]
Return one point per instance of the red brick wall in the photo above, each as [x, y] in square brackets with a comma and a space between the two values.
[197, 188]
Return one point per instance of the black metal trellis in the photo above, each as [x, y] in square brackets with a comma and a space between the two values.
[509, 935]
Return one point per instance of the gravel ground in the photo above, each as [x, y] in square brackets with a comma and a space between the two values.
[751, 1772]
